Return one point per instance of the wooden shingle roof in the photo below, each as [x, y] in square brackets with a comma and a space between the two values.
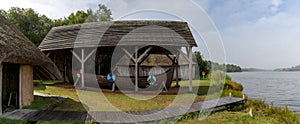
[113, 33]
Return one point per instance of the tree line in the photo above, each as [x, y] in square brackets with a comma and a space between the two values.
[36, 26]
[207, 65]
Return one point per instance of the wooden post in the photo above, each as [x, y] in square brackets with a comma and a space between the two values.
[20, 87]
[65, 67]
[26, 86]
[113, 87]
[82, 60]
[177, 66]
[0, 88]
[82, 68]
[190, 68]
[136, 70]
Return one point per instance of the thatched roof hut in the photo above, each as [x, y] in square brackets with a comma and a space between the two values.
[16, 48]
[19, 58]
[141, 38]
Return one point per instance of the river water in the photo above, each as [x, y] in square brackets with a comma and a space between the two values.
[281, 87]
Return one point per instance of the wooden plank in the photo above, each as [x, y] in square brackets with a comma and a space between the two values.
[120, 117]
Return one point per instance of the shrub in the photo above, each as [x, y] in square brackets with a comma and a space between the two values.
[233, 85]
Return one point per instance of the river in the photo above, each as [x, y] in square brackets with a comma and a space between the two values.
[281, 87]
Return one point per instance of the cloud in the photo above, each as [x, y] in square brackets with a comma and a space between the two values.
[184, 10]
[275, 5]
[262, 38]
[256, 33]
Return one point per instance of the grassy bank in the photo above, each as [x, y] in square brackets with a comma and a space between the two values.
[261, 113]
[239, 114]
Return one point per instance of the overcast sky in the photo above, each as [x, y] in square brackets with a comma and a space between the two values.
[255, 33]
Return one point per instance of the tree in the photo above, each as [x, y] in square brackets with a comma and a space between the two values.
[101, 14]
[202, 64]
[33, 25]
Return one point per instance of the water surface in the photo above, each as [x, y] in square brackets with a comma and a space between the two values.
[281, 87]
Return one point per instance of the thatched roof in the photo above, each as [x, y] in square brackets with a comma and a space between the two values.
[16, 48]
[154, 60]
[107, 34]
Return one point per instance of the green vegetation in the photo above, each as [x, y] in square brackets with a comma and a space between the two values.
[9, 121]
[127, 104]
[36, 26]
[262, 114]
[208, 66]
[238, 114]
[295, 68]
[40, 103]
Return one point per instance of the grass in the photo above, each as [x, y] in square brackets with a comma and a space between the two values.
[40, 103]
[70, 105]
[262, 114]
[238, 114]
[95, 101]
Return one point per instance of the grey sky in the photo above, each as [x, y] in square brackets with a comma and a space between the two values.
[255, 33]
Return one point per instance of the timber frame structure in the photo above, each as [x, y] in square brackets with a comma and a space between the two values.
[135, 39]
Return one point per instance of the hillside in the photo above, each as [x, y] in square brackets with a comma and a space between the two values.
[295, 68]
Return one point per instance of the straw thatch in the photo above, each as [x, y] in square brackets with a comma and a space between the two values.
[160, 33]
[16, 48]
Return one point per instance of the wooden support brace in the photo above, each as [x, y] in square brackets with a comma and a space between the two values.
[129, 55]
[48, 54]
[142, 56]
[90, 54]
[76, 56]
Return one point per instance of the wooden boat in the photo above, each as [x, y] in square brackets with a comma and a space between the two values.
[127, 82]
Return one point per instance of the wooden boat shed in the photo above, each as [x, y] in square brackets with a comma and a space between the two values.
[135, 39]
[20, 62]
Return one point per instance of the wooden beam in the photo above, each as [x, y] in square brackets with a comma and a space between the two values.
[144, 58]
[172, 59]
[190, 68]
[1, 88]
[129, 55]
[76, 56]
[139, 58]
[48, 54]
[82, 68]
[177, 68]
[65, 67]
[136, 70]
[20, 87]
